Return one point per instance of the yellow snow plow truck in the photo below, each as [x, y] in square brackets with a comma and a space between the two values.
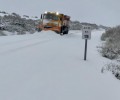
[54, 21]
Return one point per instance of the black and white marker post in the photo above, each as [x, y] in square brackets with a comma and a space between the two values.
[86, 34]
[85, 52]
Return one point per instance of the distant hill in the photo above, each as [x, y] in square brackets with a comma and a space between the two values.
[76, 25]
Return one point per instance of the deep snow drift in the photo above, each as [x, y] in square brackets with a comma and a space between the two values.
[47, 66]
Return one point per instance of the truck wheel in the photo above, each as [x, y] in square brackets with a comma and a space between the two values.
[65, 30]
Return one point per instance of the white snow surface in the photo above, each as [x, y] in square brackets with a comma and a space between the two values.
[47, 66]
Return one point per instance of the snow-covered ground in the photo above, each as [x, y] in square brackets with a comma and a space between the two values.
[47, 66]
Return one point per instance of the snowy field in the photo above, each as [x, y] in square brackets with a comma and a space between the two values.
[47, 66]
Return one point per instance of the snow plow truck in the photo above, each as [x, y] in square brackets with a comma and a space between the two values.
[54, 21]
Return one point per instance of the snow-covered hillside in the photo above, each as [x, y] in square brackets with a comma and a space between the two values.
[18, 24]
[3, 13]
[47, 66]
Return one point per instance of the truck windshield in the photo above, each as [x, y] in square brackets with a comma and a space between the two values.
[51, 16]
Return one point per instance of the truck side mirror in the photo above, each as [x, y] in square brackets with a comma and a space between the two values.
[41, 16]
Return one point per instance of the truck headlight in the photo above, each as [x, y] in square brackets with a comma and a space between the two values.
[57, 13]
[45, 12]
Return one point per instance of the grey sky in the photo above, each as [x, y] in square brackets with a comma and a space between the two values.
[105, 12]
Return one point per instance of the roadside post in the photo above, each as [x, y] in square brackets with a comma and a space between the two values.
[86, 34]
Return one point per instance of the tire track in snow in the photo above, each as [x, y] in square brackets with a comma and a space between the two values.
[18, 41]
[15, 49]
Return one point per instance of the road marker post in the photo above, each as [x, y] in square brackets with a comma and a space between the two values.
[86, 34]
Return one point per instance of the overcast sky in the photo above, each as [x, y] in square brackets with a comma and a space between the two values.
[105, 12]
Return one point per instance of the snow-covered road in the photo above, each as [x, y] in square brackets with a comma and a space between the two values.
[47, 66]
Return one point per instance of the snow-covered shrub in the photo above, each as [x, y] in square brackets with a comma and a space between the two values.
[107, 34]
[111, 47]
[15, 28]
[103, 37]
[15, 23]
[111, 50]
[30, 25]
[112, 67]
